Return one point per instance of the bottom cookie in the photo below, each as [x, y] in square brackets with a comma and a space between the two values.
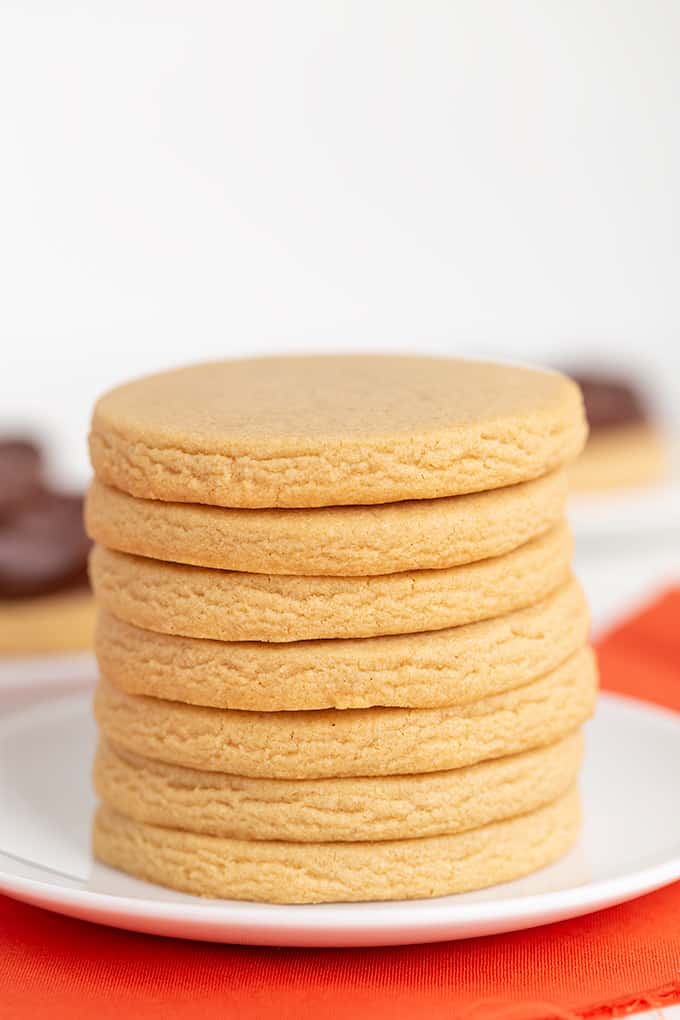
[63, 622]
[277, 872]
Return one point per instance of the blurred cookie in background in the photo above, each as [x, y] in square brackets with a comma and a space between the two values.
[625, 447]
[45, 600]
[20, 473]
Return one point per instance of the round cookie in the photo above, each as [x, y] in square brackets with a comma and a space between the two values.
[43, 547]
[329, 431]
[355, 742]
[346, 810]
[329, 541]
[20, 474]
[278, 872]
[231, 606]
[60, 622]
[428, 670]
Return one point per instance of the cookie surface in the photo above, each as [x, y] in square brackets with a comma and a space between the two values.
[310, 810]
[355, 742]
[330, 431]
[330, 541]
[428, 670]
[231, 606]
[277, 872]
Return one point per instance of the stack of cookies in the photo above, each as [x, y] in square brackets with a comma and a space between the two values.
[342, 653]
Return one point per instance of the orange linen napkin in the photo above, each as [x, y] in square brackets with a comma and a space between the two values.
[607, 964]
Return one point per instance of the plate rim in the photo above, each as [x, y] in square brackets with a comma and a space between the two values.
[617, 513]
[50, 671]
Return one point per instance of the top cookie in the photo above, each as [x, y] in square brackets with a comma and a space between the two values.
[329, 431]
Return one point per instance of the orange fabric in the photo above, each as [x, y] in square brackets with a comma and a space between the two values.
[606, 964]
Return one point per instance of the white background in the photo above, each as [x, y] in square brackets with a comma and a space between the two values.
[181, 180]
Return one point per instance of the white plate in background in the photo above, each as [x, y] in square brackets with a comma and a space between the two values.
[630, 844]
[16, 672]
[650, 513]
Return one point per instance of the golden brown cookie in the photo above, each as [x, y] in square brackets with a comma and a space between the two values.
[61, 622]
[355, 742]
[276, 872]
[347, 810]
[329, 431]
[330, 541]
[229, 606]
[428, 670]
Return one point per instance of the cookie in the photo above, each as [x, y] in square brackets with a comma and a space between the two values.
[330, 541]
[61, 622]
[347, 810]
[611, 401]
[20, 474]
[620, 457]
[43, 547]
[45, 604]
[330, 431]
[231, 606]
[428, 670]
[355, 742]
[282, 872]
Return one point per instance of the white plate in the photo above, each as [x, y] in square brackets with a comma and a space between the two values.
[630, 845]
[613, 514]
[46, 670]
